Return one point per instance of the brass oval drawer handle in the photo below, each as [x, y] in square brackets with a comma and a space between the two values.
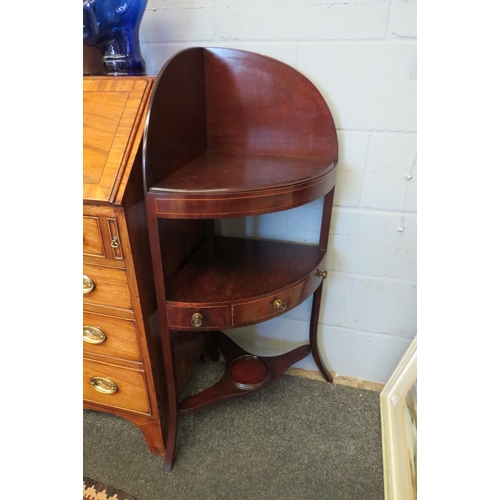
[93, 335]
[103, 385]
[114, 242]
[197, 320]
[88, 284]
[323, 274]
[279, 304]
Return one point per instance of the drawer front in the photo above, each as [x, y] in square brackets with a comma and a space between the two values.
[123, 388]
[101, 238]
[186, 318]
[273, 305]
[110, 336]
[108, 286]
[92, 240]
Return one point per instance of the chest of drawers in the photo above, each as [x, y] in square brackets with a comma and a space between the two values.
[123, 365]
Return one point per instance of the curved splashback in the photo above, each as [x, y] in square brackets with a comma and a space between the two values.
[221, 100]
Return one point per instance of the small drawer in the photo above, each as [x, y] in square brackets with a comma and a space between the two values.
[92, 239]
[203, 318]
[101, 238]
[106, 286]
[115, 386]
[110, 336]
[273, 305]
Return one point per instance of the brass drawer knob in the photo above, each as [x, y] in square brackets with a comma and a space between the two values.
[115, 243]
[88, 284]
[197, 320]
[323, 274]
[93, 335]
[279, 304]
[103, 385]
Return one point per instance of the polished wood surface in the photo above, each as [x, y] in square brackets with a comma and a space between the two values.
[121, 337]
[92, 239]
[225, 173]
[112, 112]
[237, 281]
[116, 255]
[101, 239]
[234, 102]
[208, 204]
[258, 105]
[254, 311]
[111, 287]
[245, 378]
[131, 394]
[229, 270]
[232, 133]
[180, 316]
[175, 132]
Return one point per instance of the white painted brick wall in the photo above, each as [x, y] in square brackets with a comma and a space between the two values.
[361, 54]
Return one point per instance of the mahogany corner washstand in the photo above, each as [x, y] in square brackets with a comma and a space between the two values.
[233, 134]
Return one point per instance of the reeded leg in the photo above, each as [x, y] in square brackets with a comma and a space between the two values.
[313, 333]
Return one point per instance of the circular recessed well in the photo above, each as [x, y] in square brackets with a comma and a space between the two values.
[249, 372]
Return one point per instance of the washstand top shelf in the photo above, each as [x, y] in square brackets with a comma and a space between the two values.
[234, 133]
[216, 172]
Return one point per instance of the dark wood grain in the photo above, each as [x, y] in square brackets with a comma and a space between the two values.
[175, 131]
[203, 205]
[258, 105]
[166, 341]
[232, 133]
[230, 384]
[140, 257]
[227, 270]
[254, 311]
[216, 172]
[313, 334]
[180, 239]
[326, 219]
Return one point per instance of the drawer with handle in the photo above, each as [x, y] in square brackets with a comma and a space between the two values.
[110, 336]
[274, 304]
[115, 386]
[101, 238]
[204, 318]
[106, 286]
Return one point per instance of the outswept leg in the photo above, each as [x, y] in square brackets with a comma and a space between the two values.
[313, 334]
[244, 372]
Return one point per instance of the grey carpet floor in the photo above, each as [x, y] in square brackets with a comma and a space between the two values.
[298, 439]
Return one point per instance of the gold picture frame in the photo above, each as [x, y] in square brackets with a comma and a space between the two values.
[398, 408]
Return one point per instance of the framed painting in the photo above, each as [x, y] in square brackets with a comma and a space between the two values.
[398, 407]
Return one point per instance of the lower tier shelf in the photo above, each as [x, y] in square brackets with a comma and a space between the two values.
[244, 372]
[234, 282]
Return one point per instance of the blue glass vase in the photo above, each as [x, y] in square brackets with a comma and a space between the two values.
[113, 26]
